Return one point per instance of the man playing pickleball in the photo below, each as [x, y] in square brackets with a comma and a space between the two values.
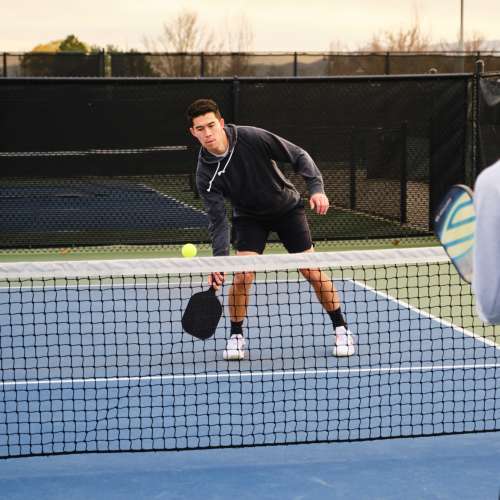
[239, 163]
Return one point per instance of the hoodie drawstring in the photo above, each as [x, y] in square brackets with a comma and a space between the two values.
[212, 179]
[221, 172]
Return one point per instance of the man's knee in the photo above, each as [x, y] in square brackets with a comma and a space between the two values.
[243, 279]
[312, 274]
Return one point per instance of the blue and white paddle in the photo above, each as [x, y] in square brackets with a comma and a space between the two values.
[454, 225]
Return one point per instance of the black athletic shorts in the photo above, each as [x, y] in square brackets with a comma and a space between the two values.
[250, 233]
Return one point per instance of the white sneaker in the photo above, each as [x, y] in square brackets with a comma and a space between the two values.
[344, 344]
[235, 348]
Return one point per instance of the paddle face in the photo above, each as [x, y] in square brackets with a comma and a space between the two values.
[202, 314]
[454, 225]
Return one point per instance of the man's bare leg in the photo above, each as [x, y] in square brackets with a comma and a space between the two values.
[238, 297]
[329, 298]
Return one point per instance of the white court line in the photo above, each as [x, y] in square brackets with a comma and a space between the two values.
[176, 200]
[430, 316]
[254, 374]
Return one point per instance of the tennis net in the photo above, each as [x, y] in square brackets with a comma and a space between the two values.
[94, 359]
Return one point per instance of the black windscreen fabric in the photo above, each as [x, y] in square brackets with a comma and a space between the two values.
[489, 121]
[387, 148]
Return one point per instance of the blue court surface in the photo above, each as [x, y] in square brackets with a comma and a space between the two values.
[107, 368]
[465, 467]
[77, 205]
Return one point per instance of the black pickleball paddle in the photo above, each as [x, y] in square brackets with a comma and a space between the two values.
[202, 314]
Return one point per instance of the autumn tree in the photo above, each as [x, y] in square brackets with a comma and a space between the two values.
[72, 44]
[44, 60]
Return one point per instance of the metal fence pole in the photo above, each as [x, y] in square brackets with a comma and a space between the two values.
[403, 174]
[4, 59]
[432, 160]
[202, 64]
[387, 66]
[236, 99]
[476, 117]
[352, 169]
[102, 63]
[295, 64]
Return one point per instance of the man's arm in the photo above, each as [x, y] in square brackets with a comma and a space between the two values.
[282, 150]
[218, 225]
[486, 281]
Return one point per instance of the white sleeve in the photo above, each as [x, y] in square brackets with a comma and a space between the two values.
[486, 280]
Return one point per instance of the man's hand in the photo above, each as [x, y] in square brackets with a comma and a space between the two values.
[216, 279]
[319, 203]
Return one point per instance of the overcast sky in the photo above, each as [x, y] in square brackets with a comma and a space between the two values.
[278, 25]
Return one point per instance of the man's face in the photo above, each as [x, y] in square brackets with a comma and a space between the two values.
[209, 130]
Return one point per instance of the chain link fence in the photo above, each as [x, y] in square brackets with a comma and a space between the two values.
[111, 162]
[136, 64]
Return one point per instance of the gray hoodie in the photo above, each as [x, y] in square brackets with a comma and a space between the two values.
[250, 178]
[486, 278]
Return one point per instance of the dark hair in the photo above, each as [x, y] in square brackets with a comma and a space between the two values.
[201, 107]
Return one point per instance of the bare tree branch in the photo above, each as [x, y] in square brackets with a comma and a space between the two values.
[239, 35]
[475, 43]
[183, 35]
[412, 39]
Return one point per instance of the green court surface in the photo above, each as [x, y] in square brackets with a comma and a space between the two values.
[436, 291]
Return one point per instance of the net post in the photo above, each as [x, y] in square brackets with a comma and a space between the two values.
[4, 64]
[295, 64]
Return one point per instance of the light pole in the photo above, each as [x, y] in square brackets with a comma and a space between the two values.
[461, 39]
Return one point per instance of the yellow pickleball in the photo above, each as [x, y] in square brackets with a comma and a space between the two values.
[189, 250]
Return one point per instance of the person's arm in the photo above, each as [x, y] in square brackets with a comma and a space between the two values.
[280, 149]
[486, 281]
[218, 225]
